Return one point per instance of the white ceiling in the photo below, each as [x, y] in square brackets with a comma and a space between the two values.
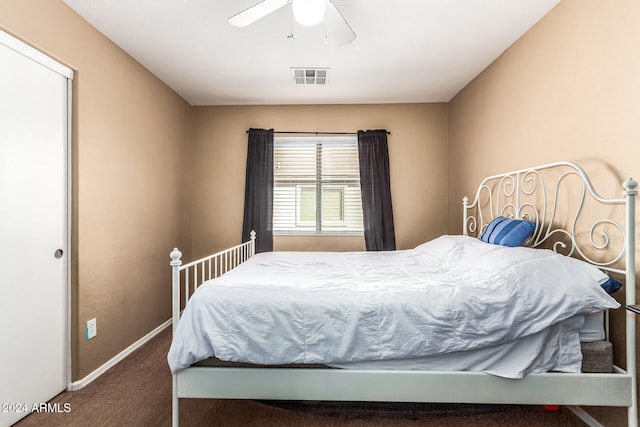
[405, 50]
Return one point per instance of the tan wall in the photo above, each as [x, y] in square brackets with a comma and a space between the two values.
[418, 163]
[569, 89]
[131, 144]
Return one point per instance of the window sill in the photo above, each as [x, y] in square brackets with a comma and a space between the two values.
[326, 234]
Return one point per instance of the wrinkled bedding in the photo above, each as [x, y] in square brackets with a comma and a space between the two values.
[450, 295]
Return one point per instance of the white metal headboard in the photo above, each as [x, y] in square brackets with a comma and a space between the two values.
[535, 194]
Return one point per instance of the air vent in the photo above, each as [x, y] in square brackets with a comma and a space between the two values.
[310, 76]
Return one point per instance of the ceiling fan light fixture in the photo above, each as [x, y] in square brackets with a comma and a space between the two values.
[309, 12]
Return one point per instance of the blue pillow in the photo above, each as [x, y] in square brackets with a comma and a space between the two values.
[611, 285]
[508, 232]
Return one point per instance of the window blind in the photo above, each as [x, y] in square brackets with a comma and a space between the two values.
[317, 186]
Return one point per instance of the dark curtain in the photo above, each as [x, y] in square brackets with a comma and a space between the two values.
[258, 192]
[377, 212]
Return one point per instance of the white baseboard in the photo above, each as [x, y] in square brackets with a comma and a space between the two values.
[77, 385]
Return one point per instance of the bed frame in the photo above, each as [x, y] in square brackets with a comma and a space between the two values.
[525, 194]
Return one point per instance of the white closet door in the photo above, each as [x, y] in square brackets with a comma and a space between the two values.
[33, 226]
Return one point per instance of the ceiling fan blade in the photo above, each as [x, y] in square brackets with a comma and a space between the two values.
[338, 28]
[257, 11]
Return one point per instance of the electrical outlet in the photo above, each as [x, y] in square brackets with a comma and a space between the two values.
[92, 328]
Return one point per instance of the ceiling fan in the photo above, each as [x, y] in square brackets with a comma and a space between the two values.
[305, 12]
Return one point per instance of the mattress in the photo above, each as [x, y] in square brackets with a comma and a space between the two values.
[593, 328]
[597, 357]
[450, 296]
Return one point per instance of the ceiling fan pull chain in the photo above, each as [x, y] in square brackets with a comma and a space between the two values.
[291, 35]
[325, 29]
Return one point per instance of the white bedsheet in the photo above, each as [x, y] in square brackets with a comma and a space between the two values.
[449, 295]
[555, 348]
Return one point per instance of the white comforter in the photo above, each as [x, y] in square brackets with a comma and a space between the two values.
[452, 294]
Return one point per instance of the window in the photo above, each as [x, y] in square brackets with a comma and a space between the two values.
[316, 186]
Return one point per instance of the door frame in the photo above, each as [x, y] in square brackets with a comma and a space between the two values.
[41, 58]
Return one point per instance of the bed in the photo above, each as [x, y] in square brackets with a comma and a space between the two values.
[470, 357]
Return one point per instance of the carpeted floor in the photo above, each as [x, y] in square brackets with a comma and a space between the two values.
[137, 392]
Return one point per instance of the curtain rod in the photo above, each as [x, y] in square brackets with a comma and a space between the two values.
[316, 133]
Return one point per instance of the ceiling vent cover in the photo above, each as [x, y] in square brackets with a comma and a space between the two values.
[310, 76]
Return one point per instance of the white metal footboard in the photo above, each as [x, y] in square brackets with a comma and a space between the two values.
[196, 273]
